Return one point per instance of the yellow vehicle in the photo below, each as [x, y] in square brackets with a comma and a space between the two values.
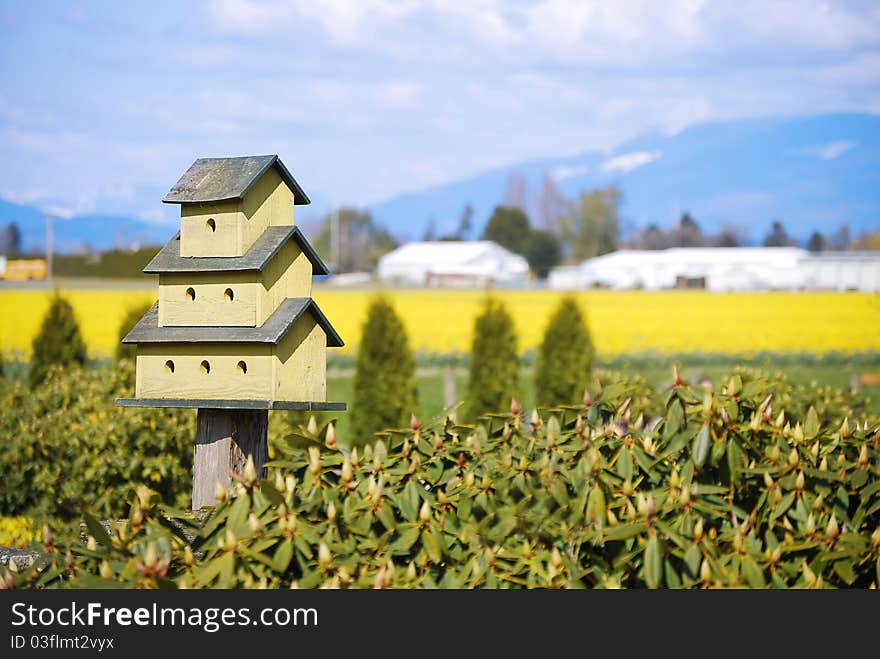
[22, 269]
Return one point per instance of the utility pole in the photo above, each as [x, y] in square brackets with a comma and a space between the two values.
[49, 246]
[334, 240]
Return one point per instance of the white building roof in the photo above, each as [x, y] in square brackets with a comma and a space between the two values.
[441, 252]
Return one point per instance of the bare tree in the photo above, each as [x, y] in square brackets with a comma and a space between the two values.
[551, 205]
[515, 192]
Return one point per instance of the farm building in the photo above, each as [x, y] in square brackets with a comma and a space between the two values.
[456, 264]
[724, 269]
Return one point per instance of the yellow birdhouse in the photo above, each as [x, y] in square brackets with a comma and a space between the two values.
[235, 326]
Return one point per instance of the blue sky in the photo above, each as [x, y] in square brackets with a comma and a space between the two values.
[104, 104]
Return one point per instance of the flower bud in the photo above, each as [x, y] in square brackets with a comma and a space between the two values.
[290, 483]
[347, 474]
[810, 527]
[250, 471]
[469, 479]
[229, 538]
[331, 512]
[330, 436]
[151, 558]
[799, 481]
[535, 420]
[279, 482]
[798, 434]
[768, 481]
[588, 399]
[188, 558]
[823, 465]
[612, 518]
[312, 425]
[793, 458]
[48, 539]
[627, 488]
[137, 517]
[314, 460]
[324, 555]
[705, 571]
[685, 497]
[832, 530]
[411, 571]
[91, 545]
[254, 523]
[105, 571]
[674, 478]
[425, 512]
[809, 575]
[219, 492]
[698, 529]
[863, 457]
[844, 428]
[515, 407]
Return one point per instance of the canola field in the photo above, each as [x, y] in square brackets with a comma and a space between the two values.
[441, 321]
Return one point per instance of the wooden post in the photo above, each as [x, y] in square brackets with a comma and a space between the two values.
[449, 397]
[224, 439]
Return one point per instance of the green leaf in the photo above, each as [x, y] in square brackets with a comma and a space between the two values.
[692, 559]
[97, 531]
[811, 425]
[701, 445]
[653, 568]
[623, 532]
[406, 540]
[433, 543]
[753, 574]
[596, 505]
[784, 505]
[844, 571]
[283, 555]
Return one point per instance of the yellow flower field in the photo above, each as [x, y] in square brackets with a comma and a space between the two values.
[621, 322]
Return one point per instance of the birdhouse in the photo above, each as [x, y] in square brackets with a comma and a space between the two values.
[235, 326]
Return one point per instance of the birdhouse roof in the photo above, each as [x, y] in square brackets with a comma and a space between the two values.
[227, 179]
[169, 260]
[147, 329]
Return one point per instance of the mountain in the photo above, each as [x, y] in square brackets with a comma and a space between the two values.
[93, 231]
[811, 173]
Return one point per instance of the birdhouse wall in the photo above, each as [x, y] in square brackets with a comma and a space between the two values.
[229, 228]
[288, 274]
[212, 229]
[235, 371]
[301, 362]
[225, 299]
[268, 203]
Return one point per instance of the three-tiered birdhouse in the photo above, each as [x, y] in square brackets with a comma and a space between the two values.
[235, 327]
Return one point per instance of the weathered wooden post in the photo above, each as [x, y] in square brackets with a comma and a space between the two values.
[235, 332]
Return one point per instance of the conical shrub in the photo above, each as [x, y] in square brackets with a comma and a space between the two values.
[494, 368]
[58, 342]
[132, 316]
[385, 391]
[564, 359]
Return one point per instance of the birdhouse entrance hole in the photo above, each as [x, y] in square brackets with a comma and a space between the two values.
[169, 366]
[242, 367]
[191, 293]
[211, 225]
[229, 295]
[205, 366]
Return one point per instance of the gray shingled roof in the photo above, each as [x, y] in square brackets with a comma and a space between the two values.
[169, 260]
[225, 179]
[147, 329]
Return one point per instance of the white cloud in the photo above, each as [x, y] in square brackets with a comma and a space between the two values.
[629, 161]
[835, 149]
[562, 173]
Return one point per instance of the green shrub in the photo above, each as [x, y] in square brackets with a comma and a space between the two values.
[563, 363]
[58, 343]
[494, 369]
[64, 446]
[724, 488]
[385, 391]
[132, 315]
